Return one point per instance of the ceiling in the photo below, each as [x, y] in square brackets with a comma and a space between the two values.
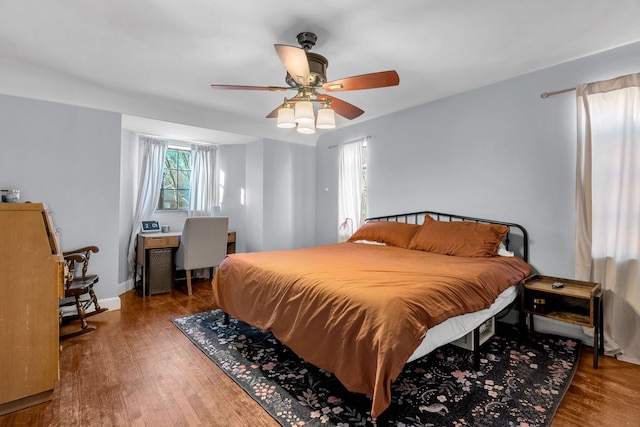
[154, 60]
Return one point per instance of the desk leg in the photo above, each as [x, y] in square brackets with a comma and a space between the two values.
[144, 285]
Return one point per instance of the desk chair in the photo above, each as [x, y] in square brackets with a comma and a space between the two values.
[78, 291]
[203, 244]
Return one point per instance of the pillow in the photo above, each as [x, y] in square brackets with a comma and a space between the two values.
[502, 250]
[392, 233]
[458, 238]
[369, 242]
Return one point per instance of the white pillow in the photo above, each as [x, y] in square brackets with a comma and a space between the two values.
[502, 250]
[369, 242]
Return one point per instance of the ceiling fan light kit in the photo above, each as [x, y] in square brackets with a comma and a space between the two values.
[306, 73]
[304, 112]
[326, 118]
[286, 118]
[306, 128]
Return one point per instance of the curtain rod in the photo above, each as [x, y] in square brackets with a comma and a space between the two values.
[181, 142]
[545, 95]
[348, 142]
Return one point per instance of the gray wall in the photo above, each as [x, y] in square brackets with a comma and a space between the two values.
[280, 195]
[68, 158]
[232, 161]
[497, 152]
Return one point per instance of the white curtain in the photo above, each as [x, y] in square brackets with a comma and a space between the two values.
[203, 195]
[350, 187]
[153, 157]
[608, 205]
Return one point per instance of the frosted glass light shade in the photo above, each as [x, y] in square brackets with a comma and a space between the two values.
[304, 112]
[326, 119]
[306, 128]
[286, 118]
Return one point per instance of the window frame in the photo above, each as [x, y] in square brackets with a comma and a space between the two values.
[179, 169]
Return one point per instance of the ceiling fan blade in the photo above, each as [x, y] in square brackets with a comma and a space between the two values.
[274, 113]
[364, 81]
[295, 61]
[346, 110]
[239, 87]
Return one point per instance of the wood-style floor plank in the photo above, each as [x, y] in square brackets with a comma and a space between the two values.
[138, 369]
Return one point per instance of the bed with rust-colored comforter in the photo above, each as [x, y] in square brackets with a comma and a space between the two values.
[358, 311]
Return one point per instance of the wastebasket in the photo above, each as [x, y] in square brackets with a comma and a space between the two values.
[159, 271]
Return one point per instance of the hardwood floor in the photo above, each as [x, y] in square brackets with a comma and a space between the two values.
[138, 369]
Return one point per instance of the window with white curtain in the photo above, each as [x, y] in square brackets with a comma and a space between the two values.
[352, 187]
[608, 205]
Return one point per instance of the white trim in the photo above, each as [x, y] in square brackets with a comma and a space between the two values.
[125, 286]
[110, 303]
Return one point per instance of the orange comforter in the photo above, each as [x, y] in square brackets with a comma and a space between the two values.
[358, 310]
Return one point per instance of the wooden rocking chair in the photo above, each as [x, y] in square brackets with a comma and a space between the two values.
[78, 291]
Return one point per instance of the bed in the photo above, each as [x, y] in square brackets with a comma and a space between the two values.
[361, 309]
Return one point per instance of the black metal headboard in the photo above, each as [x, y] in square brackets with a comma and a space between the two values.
[516, 239]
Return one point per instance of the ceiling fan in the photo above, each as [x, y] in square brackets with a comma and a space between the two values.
[306, 74]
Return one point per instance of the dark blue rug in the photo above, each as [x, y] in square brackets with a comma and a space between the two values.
[521, 381]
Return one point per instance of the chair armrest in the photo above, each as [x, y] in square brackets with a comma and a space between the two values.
[86, 250]
[74, 257]
[81, 255]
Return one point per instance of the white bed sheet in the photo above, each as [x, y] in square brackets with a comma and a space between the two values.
[458, 326]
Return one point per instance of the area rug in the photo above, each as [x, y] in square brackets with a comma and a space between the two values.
[521, 381]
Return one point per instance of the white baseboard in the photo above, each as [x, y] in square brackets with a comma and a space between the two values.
[125, 286]
[114, 302]
[110, 303]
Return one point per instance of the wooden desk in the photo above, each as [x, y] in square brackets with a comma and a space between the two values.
[171, 240]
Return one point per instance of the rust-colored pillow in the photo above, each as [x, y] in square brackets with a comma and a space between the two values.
[388, 232]
[458, 238]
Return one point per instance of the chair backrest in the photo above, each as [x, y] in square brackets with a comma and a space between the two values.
[203, 243]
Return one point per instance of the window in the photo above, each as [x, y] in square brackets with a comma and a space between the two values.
[352, 183]
[364, 180]
[176, 177]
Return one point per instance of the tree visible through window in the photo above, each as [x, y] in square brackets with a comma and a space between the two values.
[176, 179]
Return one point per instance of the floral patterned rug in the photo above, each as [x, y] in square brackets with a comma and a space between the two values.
[521, 380]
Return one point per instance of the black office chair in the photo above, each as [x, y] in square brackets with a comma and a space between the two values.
[78, 291]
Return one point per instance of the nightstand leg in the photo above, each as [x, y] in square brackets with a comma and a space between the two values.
[601, 314]
[531, 328]
[598, 331]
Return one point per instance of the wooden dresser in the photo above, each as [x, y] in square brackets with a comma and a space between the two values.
[31, 283]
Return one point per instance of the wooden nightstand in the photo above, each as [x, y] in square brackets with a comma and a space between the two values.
[574, 302]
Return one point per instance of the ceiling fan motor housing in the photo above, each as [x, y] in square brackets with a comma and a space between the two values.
[317, 70]
[307, 40]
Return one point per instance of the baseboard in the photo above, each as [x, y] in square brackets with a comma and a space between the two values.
[110, 303]
[125, 286]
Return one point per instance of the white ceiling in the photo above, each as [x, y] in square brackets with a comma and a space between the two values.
[154, 60]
